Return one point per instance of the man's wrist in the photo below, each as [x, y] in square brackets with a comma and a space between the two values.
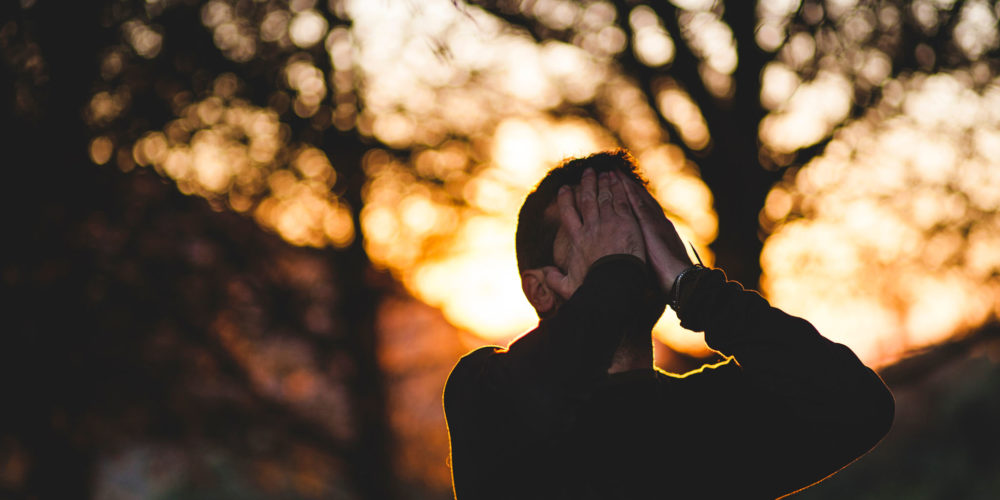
[668, 277]
[675, 289]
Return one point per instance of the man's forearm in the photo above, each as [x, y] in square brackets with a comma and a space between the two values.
[809, 406]
[766, 340]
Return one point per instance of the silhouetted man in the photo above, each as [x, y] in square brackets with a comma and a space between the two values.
[575, 409]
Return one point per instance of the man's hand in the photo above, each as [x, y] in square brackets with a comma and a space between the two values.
[666, 251]
[604, 225]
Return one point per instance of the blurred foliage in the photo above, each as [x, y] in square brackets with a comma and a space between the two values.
[855, 139]
[258, 337]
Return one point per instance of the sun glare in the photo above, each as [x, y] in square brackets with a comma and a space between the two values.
[465, 263]
[476, 104]
[882, 241]
[810, 112]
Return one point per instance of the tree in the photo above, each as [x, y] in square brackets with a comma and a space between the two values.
[390, 143]
[138, 309]
[721, 54]
[775, 85]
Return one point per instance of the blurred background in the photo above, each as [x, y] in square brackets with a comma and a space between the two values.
[245, 241]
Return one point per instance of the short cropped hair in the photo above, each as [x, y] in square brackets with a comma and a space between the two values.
[536, 234]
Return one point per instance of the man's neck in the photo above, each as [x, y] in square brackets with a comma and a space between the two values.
[634, 353]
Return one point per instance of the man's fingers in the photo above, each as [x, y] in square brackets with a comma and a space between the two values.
[620, 199]
[635, 198]
[642, 201]
[567, 210]
[604, 195]
[558, 282]
[588, 196]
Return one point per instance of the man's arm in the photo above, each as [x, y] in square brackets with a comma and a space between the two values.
[799, 408]
[795, 409]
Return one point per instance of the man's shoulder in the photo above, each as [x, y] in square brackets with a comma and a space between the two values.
[473, 359]
[468, 368]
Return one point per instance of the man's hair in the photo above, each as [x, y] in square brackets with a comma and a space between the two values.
[536, 234]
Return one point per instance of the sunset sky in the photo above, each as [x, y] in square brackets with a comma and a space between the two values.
[248, 240]
[887, 241]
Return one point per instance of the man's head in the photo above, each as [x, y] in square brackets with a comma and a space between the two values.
[538, 221]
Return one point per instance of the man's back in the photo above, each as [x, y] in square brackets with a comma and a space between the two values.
[574, 409]
[794, 410]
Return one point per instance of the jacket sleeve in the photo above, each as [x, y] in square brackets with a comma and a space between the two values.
[793, 407]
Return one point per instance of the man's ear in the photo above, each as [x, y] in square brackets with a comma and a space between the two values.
[541, 297]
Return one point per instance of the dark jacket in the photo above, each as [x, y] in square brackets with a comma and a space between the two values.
[543, 419]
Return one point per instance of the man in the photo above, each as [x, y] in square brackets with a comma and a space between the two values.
[575, 408]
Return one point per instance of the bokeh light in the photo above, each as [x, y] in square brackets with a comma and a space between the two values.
[444, 221]
[353, 169]
[885, 240]
[471, 115]
[231, 152]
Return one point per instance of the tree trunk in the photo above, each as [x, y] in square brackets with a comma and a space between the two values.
[732, 169]
[371, 458]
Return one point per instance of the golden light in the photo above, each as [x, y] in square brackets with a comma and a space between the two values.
[452, 262]
[678, 108]
[778, 83]
[810, 114]
[712, 39]
[144, 40]
[227, 150]
[274, 26]
[308, 82]
[307, 28]
[478, 287]
[476, 105]
[473, 278]
[457, 71]
[694, 4]
[232, 34]
[887, 241]
[556, 14]
[465, 263]
[773, 15]
[101, 149]
[976, 31]
[652, 44]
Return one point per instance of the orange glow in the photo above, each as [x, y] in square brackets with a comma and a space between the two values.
[231, 34]
[222, 148]
[101, 149]
[711, 38]
[146, 41]
[474, 102]
[677, 107]
[307, 28]
[887, 242]
[462, 259]
[808, 114]
[307, 81]
[652, 44]
[778, 83]
[976, 31]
